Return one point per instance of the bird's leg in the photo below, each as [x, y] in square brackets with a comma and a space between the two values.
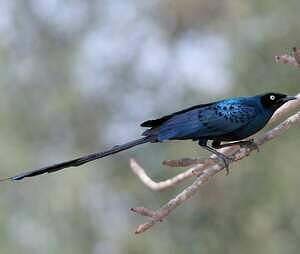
[226, 160]
[242, 143]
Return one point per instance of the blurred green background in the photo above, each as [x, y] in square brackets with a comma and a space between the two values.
[79, 76]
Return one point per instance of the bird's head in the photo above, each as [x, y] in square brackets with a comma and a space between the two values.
[273, 101]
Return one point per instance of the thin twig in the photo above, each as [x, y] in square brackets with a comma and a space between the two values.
[296, 52]
[182, 163]
[159, 186]
[288, 59]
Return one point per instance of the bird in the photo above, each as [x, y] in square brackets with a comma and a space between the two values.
[229, 120]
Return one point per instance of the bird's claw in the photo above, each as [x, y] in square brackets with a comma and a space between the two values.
[226, 160]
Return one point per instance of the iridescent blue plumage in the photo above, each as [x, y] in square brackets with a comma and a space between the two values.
[227, 120]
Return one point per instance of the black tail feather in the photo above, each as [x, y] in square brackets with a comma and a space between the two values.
[78, 161]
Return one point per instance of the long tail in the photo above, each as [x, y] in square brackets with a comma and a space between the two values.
[78, 161]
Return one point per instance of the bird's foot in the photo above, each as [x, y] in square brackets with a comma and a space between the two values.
[226, 160]
[250, 144]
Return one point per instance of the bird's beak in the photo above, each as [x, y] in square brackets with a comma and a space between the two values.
[289, 98]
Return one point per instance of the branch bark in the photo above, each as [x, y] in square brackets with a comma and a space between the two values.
[159, 186]
[293, 59]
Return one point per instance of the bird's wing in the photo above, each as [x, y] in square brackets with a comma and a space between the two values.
[159, 121]
[213, 120]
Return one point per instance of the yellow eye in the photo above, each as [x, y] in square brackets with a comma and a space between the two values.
[272, 97]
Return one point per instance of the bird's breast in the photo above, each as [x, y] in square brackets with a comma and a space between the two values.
[250, 128]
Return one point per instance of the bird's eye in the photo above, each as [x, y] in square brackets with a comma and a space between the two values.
[272, 97]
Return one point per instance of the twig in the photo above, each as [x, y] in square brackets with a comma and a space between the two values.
[181, 163]
[292, 60]
[144, 212]
[159, 186]
[297, 54]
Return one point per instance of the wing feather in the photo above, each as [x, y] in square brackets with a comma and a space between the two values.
[213, 120]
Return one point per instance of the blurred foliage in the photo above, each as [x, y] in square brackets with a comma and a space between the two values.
[79, 76]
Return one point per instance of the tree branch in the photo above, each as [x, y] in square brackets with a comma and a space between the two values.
[159, 186]
[292, 60]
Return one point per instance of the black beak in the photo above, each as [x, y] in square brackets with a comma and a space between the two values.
[289, 98]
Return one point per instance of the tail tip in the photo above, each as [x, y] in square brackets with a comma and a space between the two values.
[6, 179]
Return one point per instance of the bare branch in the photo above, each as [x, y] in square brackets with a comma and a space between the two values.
[287, 59]
[144, 212]
[159, 186]
[292, 60]
[296, 52]
[184, 162]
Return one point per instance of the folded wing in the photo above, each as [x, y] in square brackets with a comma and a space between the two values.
[208, 120]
